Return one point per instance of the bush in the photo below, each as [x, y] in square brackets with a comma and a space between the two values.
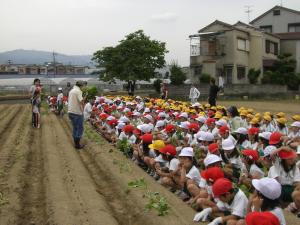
[90, 92]
[177, 75]
[157, 84]
[204, 78]
[253, 76]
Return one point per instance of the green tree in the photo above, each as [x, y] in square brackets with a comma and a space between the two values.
[253, 75]
[204, 78]
[157, 84]
[177, 75]
[134, 58]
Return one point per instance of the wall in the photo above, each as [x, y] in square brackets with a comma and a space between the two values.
[292, 47]
[279, 23]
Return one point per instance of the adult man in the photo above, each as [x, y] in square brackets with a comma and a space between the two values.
[194, 94]
[75, 111]
[213, 91]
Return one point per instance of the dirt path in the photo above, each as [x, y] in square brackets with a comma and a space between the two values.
[45, 181]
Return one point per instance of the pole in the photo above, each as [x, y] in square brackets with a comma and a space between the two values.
[248, 11]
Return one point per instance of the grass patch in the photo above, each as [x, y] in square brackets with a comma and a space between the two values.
[157, 202]
[138, 183]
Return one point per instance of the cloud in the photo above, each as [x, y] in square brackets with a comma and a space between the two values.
[164, 17]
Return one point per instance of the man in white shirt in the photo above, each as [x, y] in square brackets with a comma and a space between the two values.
[194, 94]
[75, 111]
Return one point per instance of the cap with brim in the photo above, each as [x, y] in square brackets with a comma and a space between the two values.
[261, 218]
[187, 152]
[268, 187]
[284, 154]
[228, 144]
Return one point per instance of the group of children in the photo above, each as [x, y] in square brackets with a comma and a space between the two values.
[234, 166]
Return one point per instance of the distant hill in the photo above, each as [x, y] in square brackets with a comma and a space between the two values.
[21, 56]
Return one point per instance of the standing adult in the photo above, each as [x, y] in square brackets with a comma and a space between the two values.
[221, 83]
[213, 92]
[75, 111]
[164, 91]
[194, 94]
[131, 87]
[35, 99]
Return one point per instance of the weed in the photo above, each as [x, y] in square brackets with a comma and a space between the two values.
[125, 147]
[157, 202]
[138, 183]
[3, 200]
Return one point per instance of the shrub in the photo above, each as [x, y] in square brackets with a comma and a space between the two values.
[253, 76]
[157, 84]
[177, 75]
[204, 78]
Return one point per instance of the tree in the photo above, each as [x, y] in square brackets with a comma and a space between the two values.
[253, 75]
[204, 78]
[134, 58]
[177, 75]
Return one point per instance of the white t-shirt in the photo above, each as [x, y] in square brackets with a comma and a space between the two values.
[194, 175]
[173, 164]
[238, 206]
[284, 178]
[74, 101]
[279, 214]
[87, 111]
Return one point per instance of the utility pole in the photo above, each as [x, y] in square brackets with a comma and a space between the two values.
[280, 2]
[248, 11]
[54, 64]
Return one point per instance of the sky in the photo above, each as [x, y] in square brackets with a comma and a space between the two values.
[85, 26]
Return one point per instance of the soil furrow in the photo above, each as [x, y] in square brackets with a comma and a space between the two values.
[5, 110]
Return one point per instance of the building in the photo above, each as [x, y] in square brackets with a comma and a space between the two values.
[285, 23]
[9, 69]
[222, 49]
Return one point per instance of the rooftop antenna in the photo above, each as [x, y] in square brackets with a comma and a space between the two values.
[280, 2]
[248, 11]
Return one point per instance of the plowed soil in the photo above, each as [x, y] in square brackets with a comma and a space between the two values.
[44, 180]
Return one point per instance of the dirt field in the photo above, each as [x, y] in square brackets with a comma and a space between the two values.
[44, 180]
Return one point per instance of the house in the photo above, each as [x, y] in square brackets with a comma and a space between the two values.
[222, 49]
[285, 23]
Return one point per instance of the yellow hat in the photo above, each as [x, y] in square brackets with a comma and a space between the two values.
[157, 145]
[296, 117]
[201, 113]
[219, 107]
[257, 115]
[267, 118]
[213, 108]
[254, 121]
[250, 110]
[267, 113]
[280, 114]
[207, 105]
[244, 113]
[281, 120]
[250, 116]
[225, 118]
[218, 116]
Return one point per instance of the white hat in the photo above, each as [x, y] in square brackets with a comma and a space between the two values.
[126, 110]
[221, 122]
[241, 130]
[268, 150]
[60, 88]
[295, 124]
[187, 151]
[175, 113]
[298, 149]
[136, 114]
[201, 119]
[184, 115]
[123, 119]
[210, 159]
[120, 126]
[110, 118]
[184, 125]
[147, 110]
[200, 135]
[196, 104]
[149, 117]
[160, 123]
[265, 135]
[268, 187]
[145, 128]
[208, 137]
[162, 114]
[139, 107]
[228, 144]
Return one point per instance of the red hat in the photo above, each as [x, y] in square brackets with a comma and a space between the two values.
[223, 129]
[212, 174]
[168, 150]
[113, 107]
[103, 116]
[253, 130]
[128, 128]
[284, 154]
[275, 138]
[194, 127]
[210, 113]
[136, 132]
[210, 121]
[261, 218]
[147, 138]
[212, 148]
[113, 122]
[251, 154]
[169, 128]
[129, 113]
[221, 186]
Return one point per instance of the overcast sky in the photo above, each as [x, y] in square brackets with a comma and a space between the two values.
[84, 26]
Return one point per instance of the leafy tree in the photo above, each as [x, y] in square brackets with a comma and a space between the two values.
[90, 92]
[177, 75]
[134, 58]
[253, 75]
[283, 73]
[157, 84]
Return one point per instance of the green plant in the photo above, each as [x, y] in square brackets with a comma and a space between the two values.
[138, 183]
[253, 75]
[177, 75]
[157, 202]
[89, 92]
[156, 85]
[3, 200]
[124, 146]
[204, 78]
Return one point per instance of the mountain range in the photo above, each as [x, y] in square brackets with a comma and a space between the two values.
[21, 56]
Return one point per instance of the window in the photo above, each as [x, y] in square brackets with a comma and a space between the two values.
[197, 70]
[243, 44]
[276, 12]
[241, 72]
[271, 47]
[267, 28]
[294, 27]
[208, 47]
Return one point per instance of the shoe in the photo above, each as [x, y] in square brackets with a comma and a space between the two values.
[77, 143]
